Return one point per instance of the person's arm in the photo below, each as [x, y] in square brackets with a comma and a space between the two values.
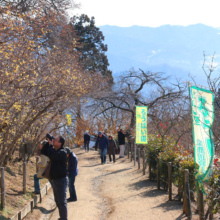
[96, 143]
[114, 143]
[58, 155]
[89, 138]
[45, 148]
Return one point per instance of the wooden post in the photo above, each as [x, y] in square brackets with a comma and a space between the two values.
[201, 206]
[170, 180]
[139, 155]
[187, 201]
[24, 176]
[144, 162]
[132, 151]
[32, 205]
[128, 149]
[158, 173]
[149, 168]
[2, 187]
[37, 160]
[135, 154]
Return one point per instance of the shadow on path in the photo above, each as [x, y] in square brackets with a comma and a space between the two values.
[45, 211]
[117, 171]
[170, 205]
[99, 164]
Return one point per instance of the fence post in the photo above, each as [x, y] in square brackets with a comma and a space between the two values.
[158, 173]
[139, 162]
[2, 187]
[24, 174]
[201, 206]
[149, 168]
[128, 148]
[170, 180]
[144, 162]
[187, 202]
[37, 160]
[135, 154]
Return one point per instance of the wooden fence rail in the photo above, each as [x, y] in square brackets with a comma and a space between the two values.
[186, 199]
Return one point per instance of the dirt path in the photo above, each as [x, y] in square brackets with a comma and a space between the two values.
[117, 191]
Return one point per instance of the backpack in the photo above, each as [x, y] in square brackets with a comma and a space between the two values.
[73, 160]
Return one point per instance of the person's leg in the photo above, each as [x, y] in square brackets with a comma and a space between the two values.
[110, 158]
[72, 188]
[85, 146]
[123, 150]
[101, 154]
[55, 193]
[113, 153]
[61, 185]
[88, 147]
[36, 184]
[104, 154]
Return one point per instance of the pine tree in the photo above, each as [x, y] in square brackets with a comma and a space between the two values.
[91, 47]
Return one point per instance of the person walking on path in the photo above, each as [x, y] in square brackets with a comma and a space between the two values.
[58, 172]
[121, 142]
[102, 140]
[111, 148]
[72, 165]
[41, 165]
[86, 141]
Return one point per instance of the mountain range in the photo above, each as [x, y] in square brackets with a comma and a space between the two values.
[175, 50]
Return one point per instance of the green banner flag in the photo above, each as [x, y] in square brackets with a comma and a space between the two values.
[202, 111]
[141, 125]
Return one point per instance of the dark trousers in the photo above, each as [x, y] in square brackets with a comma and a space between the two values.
[86, 145]
[72, 189]
[110, 158]
[103, 153]
[59, 190]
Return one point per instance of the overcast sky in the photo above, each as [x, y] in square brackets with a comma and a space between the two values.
[152, 13]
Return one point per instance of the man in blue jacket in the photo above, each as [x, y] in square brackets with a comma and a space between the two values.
[103, 145]
[72, 162]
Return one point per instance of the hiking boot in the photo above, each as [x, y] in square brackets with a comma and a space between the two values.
[36, 192]
[71, 200]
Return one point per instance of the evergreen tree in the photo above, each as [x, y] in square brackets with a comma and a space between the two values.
[91, 47]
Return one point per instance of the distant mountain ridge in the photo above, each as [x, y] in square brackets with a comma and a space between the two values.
[174, 50]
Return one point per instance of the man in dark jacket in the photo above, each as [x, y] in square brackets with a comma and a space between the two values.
[72, 162]
[102, 140]
[121, 142]
[86, 141]
[58, 172]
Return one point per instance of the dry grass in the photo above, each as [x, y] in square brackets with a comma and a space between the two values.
[15, 199]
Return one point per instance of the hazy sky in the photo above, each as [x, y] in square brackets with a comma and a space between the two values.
[152, 13]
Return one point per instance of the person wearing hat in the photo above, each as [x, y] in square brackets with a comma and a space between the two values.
[102, 140]
[72, 166]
